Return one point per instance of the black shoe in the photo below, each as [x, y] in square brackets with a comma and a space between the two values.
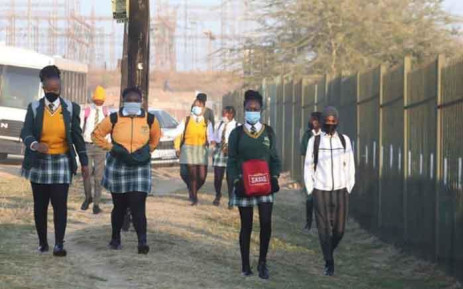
[247, 273]
[263, 270]
[143, 248]
[43, 248]
[194, 202]
[115, 244]
[216, 201]
[96, 209]
[86, 204]
[329, 268]
[59, 251]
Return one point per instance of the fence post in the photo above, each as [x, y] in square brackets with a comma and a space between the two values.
[357, 99]
[439, 143]
[382, 70]
[407, 68]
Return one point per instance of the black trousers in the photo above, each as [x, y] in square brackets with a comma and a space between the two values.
[265, 217]
[58, 195]
[219, 173]
[136, 201]
[331, 208]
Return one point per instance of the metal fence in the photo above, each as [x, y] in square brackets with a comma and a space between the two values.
[406, 131]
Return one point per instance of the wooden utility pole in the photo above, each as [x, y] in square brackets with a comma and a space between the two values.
[137, 43]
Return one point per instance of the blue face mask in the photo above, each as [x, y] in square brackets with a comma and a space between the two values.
[197, 110]
[252, 117]
[132, 108]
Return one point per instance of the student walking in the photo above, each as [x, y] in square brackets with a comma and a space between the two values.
[90, 118]
[52, 135]
[220, 157]
[254, 166]
[329, 176]
[313, 129]
[195, 134]
[209, 117]
[135, 135]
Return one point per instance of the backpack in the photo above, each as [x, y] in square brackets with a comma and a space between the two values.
[316, 147]
[35, 105]
[87, 112]
[115, 115]
[240, 130]
[187, 121]
[140, 157]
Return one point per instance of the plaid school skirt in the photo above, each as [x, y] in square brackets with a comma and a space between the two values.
[250, 202]
[219, 159]
[49, 169]
[194, 155]
[121, 178]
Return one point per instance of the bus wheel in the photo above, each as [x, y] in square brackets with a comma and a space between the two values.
[3, 156]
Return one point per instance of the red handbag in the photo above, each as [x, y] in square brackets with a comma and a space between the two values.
[256, 178]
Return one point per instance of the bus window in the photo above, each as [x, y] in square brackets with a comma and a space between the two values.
[19, 87]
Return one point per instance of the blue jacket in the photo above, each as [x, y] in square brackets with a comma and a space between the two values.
[32, 131]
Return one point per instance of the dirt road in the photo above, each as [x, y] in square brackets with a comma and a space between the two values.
[191, 247]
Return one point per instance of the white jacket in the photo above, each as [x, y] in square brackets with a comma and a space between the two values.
[335, 168]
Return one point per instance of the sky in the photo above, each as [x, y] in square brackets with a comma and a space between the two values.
[103, 7]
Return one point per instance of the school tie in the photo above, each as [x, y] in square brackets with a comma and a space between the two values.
[97, 118]
[223, 134]
[51, 106]
[253, 130]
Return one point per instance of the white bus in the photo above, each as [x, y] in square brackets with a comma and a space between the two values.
[20, 84]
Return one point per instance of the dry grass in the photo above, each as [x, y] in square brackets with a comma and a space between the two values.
[193, 248]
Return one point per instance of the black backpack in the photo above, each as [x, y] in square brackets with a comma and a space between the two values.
[187, 121]
[115, 115]
[316, 147]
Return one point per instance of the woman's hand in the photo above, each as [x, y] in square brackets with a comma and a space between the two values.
[275, 185]
[85, 172]
[40, 147]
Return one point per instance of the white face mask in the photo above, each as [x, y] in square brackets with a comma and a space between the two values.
[225, 119]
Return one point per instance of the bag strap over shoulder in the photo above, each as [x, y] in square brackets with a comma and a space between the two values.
[316, 147]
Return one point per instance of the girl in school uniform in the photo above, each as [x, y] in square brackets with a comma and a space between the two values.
[52, 136]
[195, 135]
[252, 142]
[221, 135]
[135, 135]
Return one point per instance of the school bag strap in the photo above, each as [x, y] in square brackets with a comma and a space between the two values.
[115, 116]
[69, 107]
[316, 147]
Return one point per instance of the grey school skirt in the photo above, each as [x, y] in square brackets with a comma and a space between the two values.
[194, 155]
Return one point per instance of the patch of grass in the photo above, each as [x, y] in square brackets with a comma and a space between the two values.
[194, 247]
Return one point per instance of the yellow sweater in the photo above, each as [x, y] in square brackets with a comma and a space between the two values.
[131, 133]
[54, 132]
[196, 133]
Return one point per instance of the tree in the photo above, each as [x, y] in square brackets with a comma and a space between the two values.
[343, 36]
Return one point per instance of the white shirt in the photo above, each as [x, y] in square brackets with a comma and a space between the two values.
[210, 129]
[258, 126]
[316, 133]
[220, 130]
[335, 168]
[56, 103]
[88, 125]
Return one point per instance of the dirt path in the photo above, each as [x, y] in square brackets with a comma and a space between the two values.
[192, 247]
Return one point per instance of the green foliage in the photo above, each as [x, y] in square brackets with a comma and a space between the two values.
[344, 36]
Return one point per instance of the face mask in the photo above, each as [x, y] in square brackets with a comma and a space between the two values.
[51, 96]
[132, 108]
[225, 119]
[197, 110]
[330, 128]
[252, 117]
